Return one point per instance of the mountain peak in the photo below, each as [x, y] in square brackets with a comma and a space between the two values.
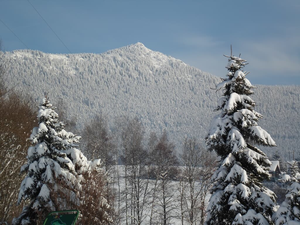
[139, 52]
[139, 44]
[137, 47]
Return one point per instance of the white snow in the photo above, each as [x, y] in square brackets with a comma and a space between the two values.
[263, 135]
[42, 128]
[235, 98]
[239, 74]
[247, 117]
[274, 165]
[47, 176]
[28, 183]
[42, 163]
[31, 151]
[236, 140]
[78, 159]
[285, 178]
[44, 192]
[33, 166]
[222, 84]
[251, 216]
[228, 160]
[57, 57]
[248, 83]
[236, 171]
[246, 192]
[40, 149]
[232, 63]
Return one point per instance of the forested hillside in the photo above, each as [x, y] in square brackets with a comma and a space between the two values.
[164, 92]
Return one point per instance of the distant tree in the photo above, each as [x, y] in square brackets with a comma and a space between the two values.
[96, 198]
[152, 142]
[135, 159]
[238, 195]
[97, 141]
[165, 161]
[294, 170]
[289, 210]
[195, 180]
[51, 157]
[276, 156]
[62, 111]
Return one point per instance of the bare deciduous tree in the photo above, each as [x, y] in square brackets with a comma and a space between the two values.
[135, 159]
[95, 206]
[16, 121]
[198, 167]
[97, 141]
[164, 161]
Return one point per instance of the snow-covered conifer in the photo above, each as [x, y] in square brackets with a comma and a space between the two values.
[294, 170]
[51, 157]
[238, 195]
[289, 210]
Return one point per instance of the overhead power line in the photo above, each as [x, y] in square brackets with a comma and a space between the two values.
[14, 34]
[49, 26]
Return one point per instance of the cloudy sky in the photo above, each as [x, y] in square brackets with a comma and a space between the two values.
[198, 32]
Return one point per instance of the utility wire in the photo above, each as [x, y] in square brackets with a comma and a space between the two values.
[14, 34]
[49, 26]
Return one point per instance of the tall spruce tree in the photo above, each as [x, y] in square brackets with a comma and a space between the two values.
[51, 158]
[238, 195]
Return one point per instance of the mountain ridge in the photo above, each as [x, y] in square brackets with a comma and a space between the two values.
[164, 92]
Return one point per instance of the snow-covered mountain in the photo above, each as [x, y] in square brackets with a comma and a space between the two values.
[164, 92]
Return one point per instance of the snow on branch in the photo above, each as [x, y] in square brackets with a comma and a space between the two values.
[235, 98]
[262, 136]
[235, 171]
[236, 140]
[247, 117]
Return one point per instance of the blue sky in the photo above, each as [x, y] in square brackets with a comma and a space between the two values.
[198, 32]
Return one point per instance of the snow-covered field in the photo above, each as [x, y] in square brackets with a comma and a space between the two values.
[150, 205]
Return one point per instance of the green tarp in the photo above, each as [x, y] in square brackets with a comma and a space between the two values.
[67, 217]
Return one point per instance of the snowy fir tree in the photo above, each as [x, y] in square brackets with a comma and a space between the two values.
[238, 195]
[51, 158]
[289, 210]
[294, 170]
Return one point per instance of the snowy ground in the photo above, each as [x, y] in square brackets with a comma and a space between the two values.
[174, 201]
